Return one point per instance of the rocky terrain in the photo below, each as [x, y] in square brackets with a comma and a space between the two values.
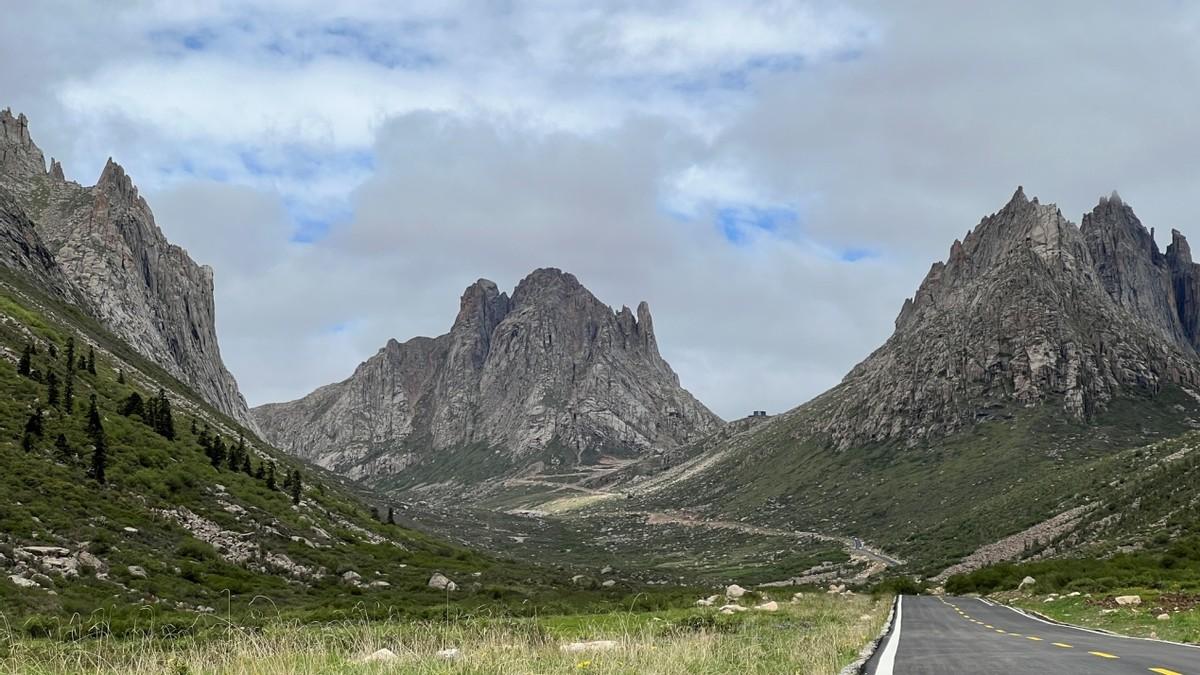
[104, 241]
[550, 376]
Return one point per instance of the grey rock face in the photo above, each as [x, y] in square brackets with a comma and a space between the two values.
[104, 239]
[1028, 309]
[551, 365]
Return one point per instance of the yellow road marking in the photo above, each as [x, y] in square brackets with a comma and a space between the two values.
[1104, 655]
[1015, 634]
[988, 625]
[1064, 646]
[1030, 637]
[999, 631]
[1164, 671]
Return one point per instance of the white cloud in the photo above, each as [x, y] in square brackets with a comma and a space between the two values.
[448, 141]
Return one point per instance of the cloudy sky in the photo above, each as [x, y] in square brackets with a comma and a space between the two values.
[773, 177]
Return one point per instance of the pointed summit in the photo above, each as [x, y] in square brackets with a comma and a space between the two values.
[20, 158]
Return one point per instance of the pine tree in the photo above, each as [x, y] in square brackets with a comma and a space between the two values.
[163, 422]
[391, 516]
[27, 442]
[217, 454]
[69, 393]
[120, 377]
[70, 356]
[52, 399]
[95, 429]
[134, 405]
[375, 513]
[63, 450]
[91, 361]
[82, 365]
[33, 426]
[261, 472]
[25, 365]
[246, 465]
[53, 350]
[193, 426]
[296, 486]
[271, 476]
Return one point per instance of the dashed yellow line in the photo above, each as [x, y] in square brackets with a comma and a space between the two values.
[1164, 671]
[999, 631]
[1063, 645]
[1034, 638]
[1104, 655]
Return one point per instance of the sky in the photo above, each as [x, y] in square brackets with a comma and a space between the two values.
[774, 178]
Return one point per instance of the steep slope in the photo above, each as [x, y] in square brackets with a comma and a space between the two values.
[179, 523]
[549, 375]
[104, 239]
[1036, 347]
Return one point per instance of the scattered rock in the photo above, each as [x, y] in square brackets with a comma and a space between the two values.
[771, 606]
[594, 645]
[1073, 594]
[22, 582]
[608, 583]
[797, 597]
[137, 571]
[734, 592]
[378, 584]
[1026, 583]
[577, 578]
[704, 602]
[383, 655]
[449, 654]
[1128, 600]
[730, 609]
[606, 570]
[130, 530]
[442, 582]
[1163, 617]
[351, 577]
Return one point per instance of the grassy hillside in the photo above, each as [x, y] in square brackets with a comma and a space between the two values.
[170, 534]
[931, 504]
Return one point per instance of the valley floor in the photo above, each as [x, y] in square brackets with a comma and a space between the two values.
[816, 634]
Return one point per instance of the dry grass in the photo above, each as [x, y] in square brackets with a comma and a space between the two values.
[820, 634]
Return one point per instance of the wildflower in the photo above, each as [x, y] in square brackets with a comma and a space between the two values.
[583, 664]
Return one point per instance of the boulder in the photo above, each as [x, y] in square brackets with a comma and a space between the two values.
[1163, 617]
[734, 592]
[450, 654]
[442, 582]
[730, 609]
[606, 570]
[1026, 583]
[577, 578]
[608, 583]
[22, 582]
[383, 655]
[771, 606]
[704, 602]
[797, 597]
[351, 577]
[1128, 600]
[137, 572]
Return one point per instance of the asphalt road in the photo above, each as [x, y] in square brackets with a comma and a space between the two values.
[968, 635]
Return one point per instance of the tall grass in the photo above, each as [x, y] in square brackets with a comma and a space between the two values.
[820, 634]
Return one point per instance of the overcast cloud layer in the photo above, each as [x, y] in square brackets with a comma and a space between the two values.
[774, 178]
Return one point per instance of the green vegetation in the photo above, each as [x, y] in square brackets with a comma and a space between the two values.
[1182, 622]
[820, 634]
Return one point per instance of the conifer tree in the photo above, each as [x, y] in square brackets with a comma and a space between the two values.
[164, 424]
[391, 516]
[63, 450]
[70, 355]
[33, 426]
[82, 365]
[193, 426]
[246, 465]
[69, 393]
[25, 364]
[52, 398]
[95, 429]
[91, 361]
[375, 513]
[271, 476]
[295, 486]
[217, 454]
[134, 405]
[27, 442]
[120, 377]
[261, 472]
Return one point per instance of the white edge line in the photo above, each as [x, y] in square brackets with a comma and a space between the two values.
[989, 604]
[887, 661]
[1101, 633]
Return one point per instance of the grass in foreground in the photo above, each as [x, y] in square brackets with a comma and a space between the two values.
[819, 634]
[1100, 611]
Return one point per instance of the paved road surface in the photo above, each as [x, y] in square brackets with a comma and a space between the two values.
[967, 635]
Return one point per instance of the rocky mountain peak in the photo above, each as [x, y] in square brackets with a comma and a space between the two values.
[1178, 251]
[551, 369]
[1027, 310]
[20, 157]
[115, 183]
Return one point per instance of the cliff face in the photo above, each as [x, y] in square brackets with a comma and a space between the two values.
[1027, 309]
[550, 366]
[104, 239]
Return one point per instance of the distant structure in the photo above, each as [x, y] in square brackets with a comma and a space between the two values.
[759, 413]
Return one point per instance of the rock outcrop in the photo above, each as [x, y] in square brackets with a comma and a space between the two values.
[550, 367]
[1028, 309]
[104, 240]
